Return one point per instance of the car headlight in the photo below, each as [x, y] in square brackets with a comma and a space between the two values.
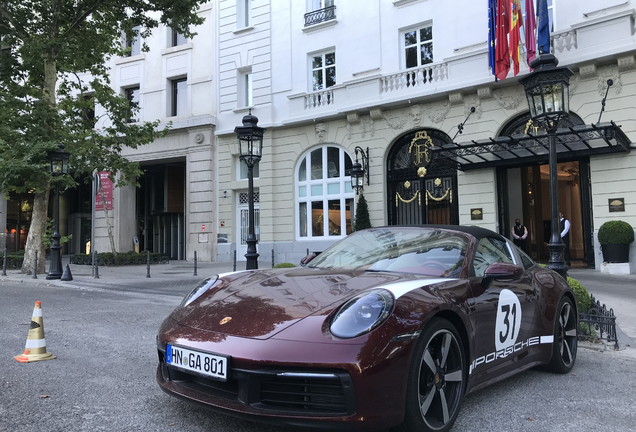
[362, 314]
[198, 290]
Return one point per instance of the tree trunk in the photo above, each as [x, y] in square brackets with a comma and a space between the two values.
[108, 224]
[41, 199]
[36, 234]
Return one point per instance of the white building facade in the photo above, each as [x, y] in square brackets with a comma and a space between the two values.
[394, 77]
[174, 210]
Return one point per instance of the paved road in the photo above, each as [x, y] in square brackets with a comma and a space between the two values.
[103, 378]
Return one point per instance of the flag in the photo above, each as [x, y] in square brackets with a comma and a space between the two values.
[516, 21]
[502, 53]
[530, 26]
[543, 37]
[492, 24]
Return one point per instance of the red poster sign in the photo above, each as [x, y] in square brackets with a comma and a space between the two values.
[107, 186]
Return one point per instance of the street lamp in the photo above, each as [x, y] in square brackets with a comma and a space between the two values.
[360, 172]
[57, 166]
[250, 138]
[547, 91]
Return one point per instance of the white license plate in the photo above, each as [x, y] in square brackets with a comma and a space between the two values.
[211, 365]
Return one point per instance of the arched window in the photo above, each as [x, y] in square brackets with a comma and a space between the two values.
[324, 197]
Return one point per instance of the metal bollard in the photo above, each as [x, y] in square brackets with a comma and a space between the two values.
[4, 263]
[95, 261]
[148, 265]
[35, 267]
[195, 264]
[307, 251]
[234, 268]
[272, 258]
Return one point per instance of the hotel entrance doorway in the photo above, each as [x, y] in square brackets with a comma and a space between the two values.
[524, 193]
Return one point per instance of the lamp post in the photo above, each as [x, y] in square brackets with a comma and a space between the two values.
[547, 91]
[360, 172]
[250, 138]
[57, 166]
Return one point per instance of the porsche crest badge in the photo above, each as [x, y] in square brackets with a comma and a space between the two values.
[225, 320]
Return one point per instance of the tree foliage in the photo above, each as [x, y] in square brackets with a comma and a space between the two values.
[54, 69]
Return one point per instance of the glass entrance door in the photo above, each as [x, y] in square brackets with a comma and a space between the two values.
[526, 196]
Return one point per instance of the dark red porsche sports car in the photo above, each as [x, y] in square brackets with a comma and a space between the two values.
[390, 326]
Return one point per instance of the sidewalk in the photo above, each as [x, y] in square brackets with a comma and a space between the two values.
[164, 278]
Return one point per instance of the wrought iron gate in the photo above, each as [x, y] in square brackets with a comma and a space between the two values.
[421, 189]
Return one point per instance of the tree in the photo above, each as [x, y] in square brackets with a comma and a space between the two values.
[362, 220]
[53, 72]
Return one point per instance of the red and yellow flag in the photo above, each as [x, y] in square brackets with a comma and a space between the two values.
[516, 21]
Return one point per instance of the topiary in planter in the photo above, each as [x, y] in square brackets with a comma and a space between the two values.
[615, 237]
[616, 232]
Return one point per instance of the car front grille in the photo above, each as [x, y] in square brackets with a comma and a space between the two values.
[307, 395]
[317, 392]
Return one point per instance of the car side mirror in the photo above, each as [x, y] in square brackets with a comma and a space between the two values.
[500, 270]
[307, 259]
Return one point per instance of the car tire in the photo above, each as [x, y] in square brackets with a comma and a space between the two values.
[564, 347]
[437, 379]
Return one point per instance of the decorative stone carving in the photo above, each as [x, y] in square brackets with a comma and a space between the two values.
[437, 112]
[198, 138]
[321, 132]
[609, 72]
[575, 80]
[353, 118]
[376, 114]
[484, 93]
[587, 71]
[509, 99]
[396, 122]
[456, 98]
[416, 115]
[626, 63]
[472, 101]
[368, 126]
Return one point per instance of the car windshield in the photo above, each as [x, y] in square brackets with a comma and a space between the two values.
[422, 251]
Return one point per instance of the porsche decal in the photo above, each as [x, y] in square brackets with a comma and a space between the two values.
[401, 288]
[508, 322]
[507, 327]
[510, 350]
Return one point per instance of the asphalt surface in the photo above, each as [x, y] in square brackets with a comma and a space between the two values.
[103, 334]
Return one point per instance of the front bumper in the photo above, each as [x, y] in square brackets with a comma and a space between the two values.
[319, 385]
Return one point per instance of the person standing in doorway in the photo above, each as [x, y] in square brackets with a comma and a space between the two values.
[519, 235]
[564, 226]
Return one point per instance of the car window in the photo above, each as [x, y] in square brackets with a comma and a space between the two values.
[525, 259]
[490, 250]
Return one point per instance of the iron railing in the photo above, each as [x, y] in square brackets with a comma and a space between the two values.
[320, 15]
[601, 323]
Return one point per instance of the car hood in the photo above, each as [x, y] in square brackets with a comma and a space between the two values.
[259, 304]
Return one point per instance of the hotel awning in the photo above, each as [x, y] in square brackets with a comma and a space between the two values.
[572, 142]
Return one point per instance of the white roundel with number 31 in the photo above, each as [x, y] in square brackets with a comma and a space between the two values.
[508, 321]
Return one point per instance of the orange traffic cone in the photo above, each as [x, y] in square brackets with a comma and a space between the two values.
[35, 349]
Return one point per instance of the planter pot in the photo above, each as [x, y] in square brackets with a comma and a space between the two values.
[615, 253]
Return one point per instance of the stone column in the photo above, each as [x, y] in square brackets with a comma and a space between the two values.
[201, 206]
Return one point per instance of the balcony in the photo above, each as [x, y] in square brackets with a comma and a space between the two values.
[320, 15]
[467, 70]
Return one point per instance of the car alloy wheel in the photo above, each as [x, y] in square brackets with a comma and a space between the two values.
[565, 337]
[437, 379]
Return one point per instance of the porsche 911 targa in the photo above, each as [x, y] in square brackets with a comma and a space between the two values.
[390, 326]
